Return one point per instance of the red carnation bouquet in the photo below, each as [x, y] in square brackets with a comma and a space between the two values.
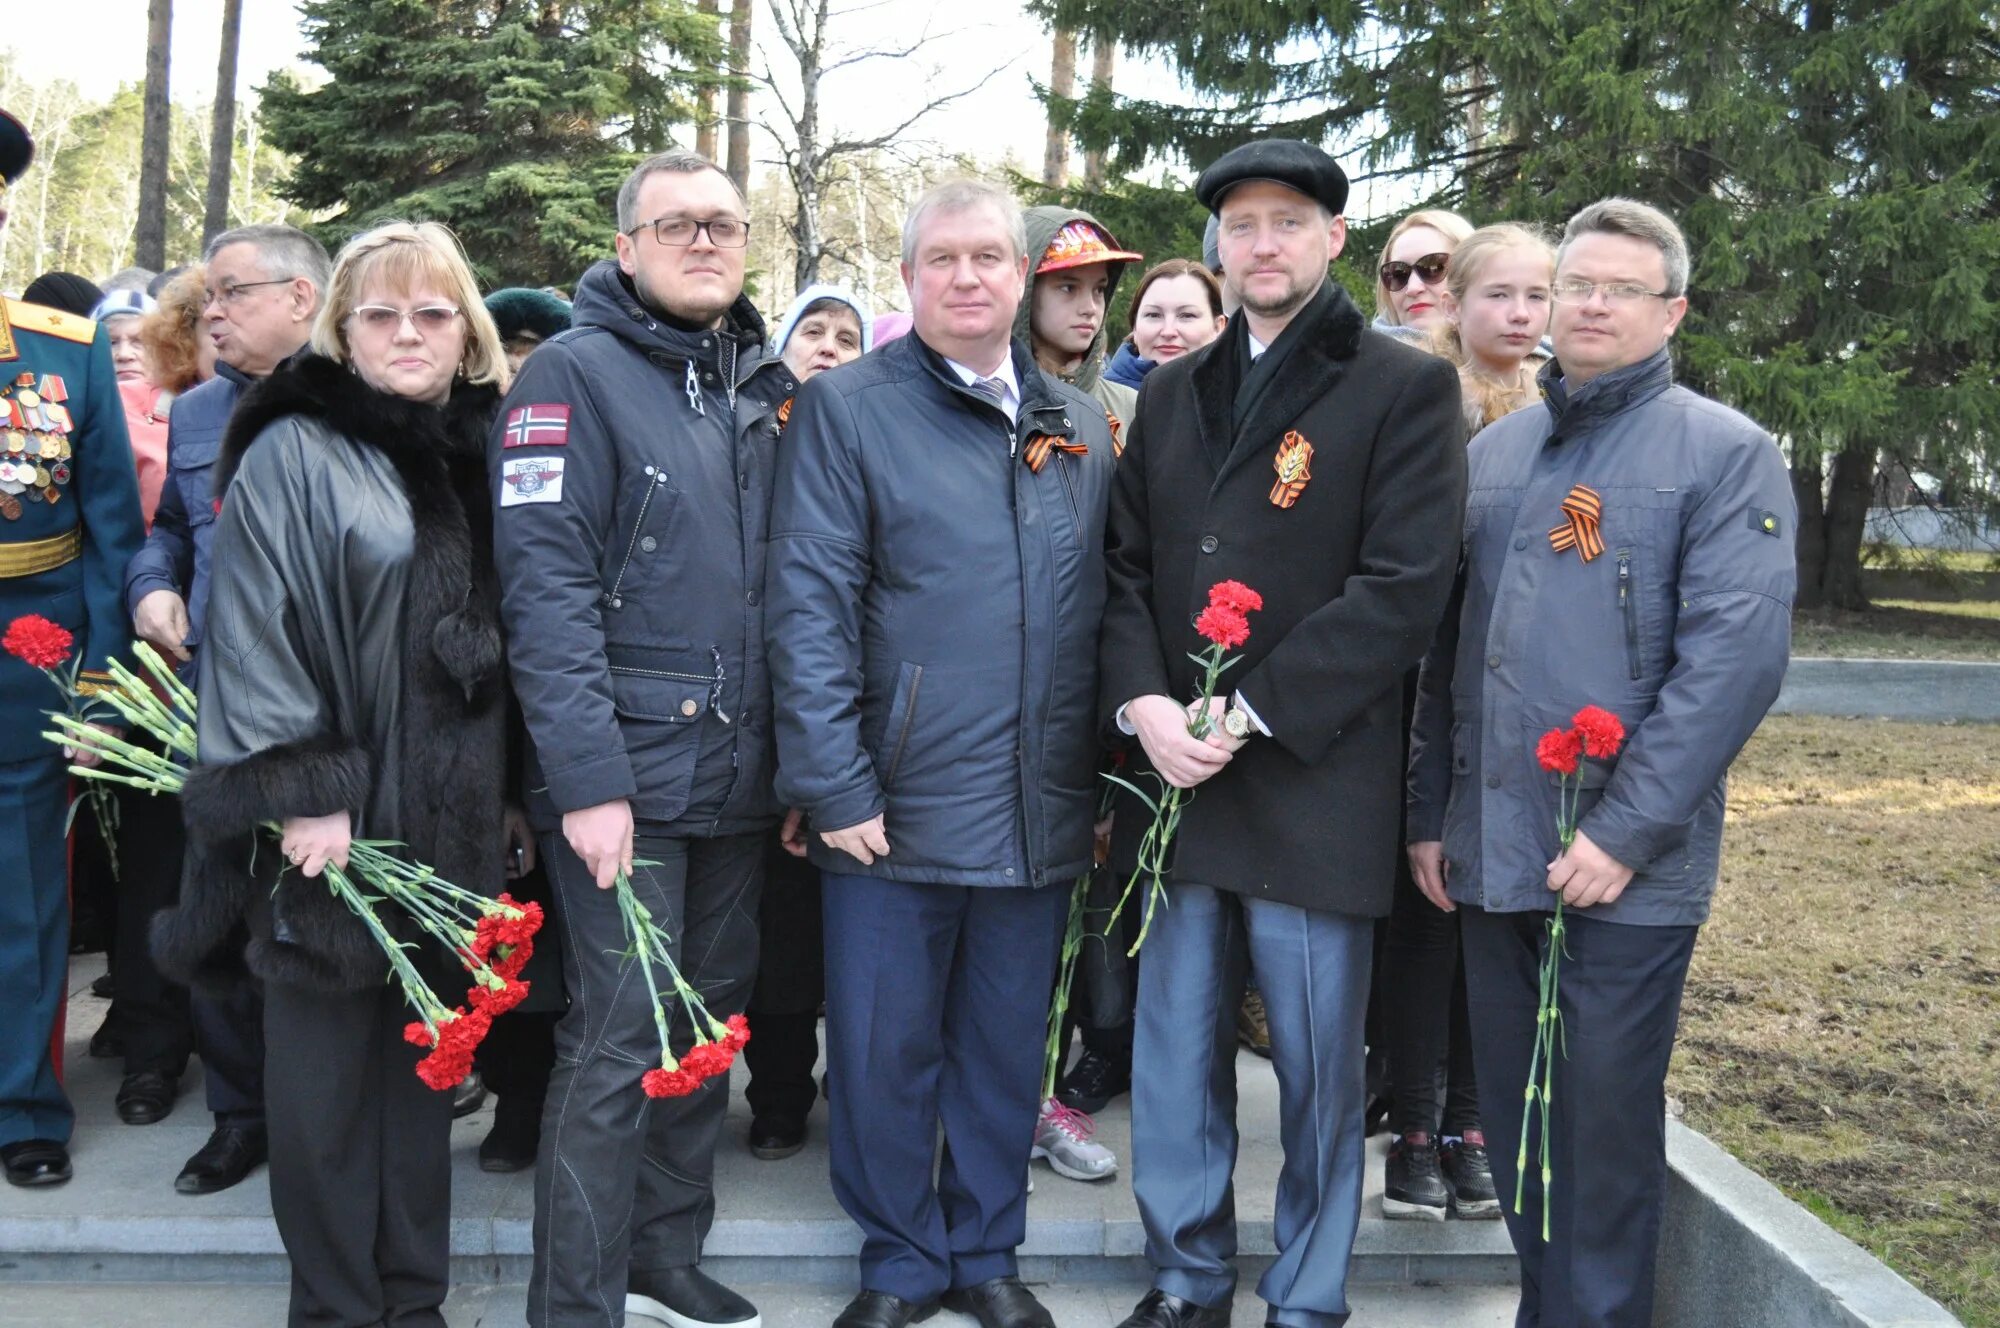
[42, 644]
[1596, 733]
[716, 1041]
[1225, 624]
[492, 938]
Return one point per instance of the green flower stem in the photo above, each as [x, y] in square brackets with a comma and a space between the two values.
[638, 929]
[1059, 1008]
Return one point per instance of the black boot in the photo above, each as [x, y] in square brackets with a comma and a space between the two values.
[516, 1135]
[1414, 1186]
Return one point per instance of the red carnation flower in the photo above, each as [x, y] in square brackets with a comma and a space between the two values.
[38, 642]
[1225, 626]
[510, 964]
[1235, 595]
[417, 1035]
[739, 1032]
[708, 1060]
[451, 1060]
[517, 931]
[668, 1083]
[497, 1002]
[1601, 731]
[1560, 750]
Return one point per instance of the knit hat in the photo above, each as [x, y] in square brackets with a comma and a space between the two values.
[518, 309]
[123, 304]
[812, 295]
[65, 291]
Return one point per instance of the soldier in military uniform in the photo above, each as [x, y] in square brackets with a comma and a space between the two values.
[69, 520]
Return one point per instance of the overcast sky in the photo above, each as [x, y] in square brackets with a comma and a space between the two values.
[1003, 116]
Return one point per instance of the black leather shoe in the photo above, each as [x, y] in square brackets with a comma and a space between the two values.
[1092, 1082]
[773, 1137]
[879, 1309]
[1157, 1309]
[687, 1298]
[147, 1098]
[35, 1162]
[231, 1153]
[515, 1137]
[1001, 1302]
[469, 1096]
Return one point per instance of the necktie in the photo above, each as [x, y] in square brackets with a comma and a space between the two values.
[993, 389]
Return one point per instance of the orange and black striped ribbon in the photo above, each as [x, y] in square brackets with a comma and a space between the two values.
[1579, 530]
[1042, 444]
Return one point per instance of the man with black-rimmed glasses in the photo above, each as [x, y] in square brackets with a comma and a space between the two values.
[632, 468]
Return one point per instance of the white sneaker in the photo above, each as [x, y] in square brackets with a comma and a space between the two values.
[1062, 1139]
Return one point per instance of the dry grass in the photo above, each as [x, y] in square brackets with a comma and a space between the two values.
[1902, 629]
[1842, 1026]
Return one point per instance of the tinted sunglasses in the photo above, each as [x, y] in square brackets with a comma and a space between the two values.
[1430, 267]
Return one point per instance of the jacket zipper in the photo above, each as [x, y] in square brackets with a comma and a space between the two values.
[1069, 492]
[705, 679]
[1630, 612]
[909, 722]
[645, 504]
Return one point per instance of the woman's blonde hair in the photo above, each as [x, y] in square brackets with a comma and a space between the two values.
[406, 255]
[170, 333]
[1448, 224]
[1475, 251]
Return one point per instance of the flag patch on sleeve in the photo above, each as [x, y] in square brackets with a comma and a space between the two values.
[531, 480]
[537, 426]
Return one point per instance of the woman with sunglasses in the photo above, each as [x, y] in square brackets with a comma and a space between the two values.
[352, 687]
[1410, 277]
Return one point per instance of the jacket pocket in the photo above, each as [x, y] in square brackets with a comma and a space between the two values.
[659, 698]
[1628, 612]
[656, 505]
[902, 721]
[191, 470]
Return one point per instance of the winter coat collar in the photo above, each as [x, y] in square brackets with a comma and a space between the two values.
[1038, 393]
[1613, 393]
[324, 389]
[1326, 343]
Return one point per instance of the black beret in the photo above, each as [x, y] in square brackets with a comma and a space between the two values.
[518, 309]
[16, 149]
[1284, 161]
[65, 291]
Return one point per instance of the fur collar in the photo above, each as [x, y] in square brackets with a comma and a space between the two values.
[317, 386]
[1330, 338]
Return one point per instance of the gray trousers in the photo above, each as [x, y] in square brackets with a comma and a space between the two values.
[1313, 969]
[625, 1183]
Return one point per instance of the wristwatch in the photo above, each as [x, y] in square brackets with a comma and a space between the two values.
[1236, 722]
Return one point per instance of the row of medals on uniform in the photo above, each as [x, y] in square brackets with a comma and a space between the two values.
[35, 461]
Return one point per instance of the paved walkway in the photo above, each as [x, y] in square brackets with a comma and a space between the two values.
[117, 1245]
[1916, 689]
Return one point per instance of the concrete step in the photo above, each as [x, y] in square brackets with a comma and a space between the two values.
[777, 1222]
[782, 1305]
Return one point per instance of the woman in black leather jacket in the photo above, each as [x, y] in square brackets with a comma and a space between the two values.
[352, 687]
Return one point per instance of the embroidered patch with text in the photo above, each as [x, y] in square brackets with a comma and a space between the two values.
[531, 480]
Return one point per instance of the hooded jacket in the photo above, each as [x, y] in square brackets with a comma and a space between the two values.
[631, 472]
[1119, 401]
[353, 663]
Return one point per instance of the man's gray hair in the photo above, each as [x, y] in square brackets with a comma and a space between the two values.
[285, 252]
[963, 196]
[677, 162]
[1628, 216]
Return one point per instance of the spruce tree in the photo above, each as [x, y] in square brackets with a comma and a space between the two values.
[511, 121]
[1835, 164]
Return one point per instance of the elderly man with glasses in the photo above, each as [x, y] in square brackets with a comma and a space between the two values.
[632, 468]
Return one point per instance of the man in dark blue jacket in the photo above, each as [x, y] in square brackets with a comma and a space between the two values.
[265, 285]
[936, 580]
[632, 475]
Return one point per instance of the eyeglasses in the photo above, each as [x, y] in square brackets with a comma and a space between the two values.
[1430, 267]
[723, 232]
[1615, 292]
[232, 293]
[381, 318]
